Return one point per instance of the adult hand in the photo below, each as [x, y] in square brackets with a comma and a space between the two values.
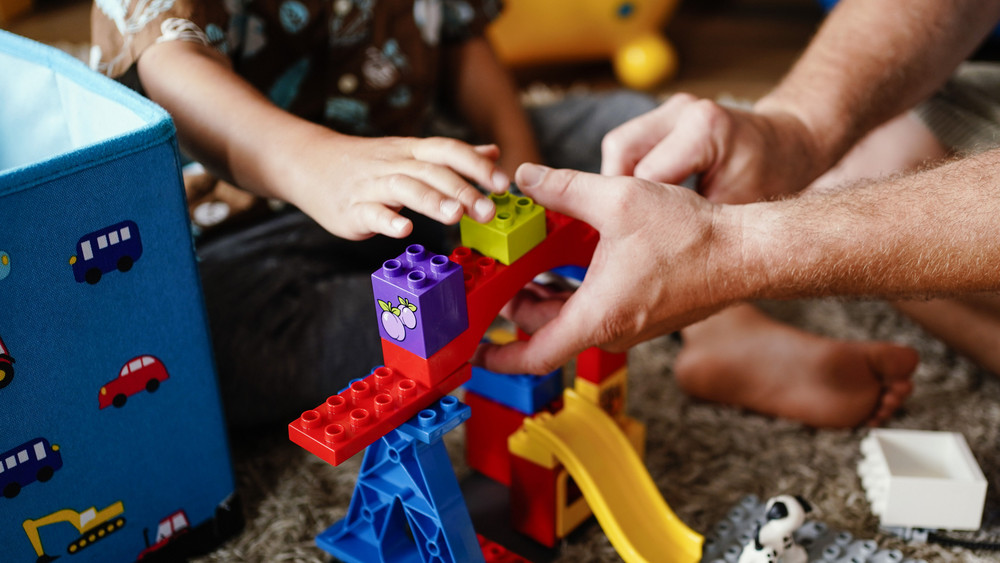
[654, 269]
[355, 187]
[739, 156]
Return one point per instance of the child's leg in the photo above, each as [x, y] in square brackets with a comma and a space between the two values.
[742, 357]
[747, 359]
[970, 326]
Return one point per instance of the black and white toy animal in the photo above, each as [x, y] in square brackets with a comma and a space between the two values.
[773, 541]
[754, 552]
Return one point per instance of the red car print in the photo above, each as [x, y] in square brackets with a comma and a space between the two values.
[6, 366]
[143, 372]
[170, 527]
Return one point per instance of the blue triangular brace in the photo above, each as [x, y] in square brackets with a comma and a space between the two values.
[407, 506]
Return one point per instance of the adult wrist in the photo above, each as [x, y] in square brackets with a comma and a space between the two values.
[757, 253]
[814, 143]
[736, 265]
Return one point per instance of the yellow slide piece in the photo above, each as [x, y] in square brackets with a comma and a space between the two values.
[615, 483]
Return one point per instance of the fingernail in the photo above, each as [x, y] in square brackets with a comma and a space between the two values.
[501, 181]
[530, 175]
[449, 207]
[399, 223]
[484, 208]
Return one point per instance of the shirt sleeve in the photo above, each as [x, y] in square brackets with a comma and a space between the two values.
[122, 29]
[465, 19]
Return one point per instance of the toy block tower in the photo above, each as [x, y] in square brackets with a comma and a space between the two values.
[519, 225]
[500, 403]
[602, 379]
[420, 301]
[432, 311]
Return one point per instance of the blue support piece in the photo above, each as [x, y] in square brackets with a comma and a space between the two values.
[572, 272]
[524, 393]
[407, 506]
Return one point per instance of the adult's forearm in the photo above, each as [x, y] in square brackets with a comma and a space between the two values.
[933, 233]
[872, 60]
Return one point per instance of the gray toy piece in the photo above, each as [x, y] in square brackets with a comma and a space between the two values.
[728, 540]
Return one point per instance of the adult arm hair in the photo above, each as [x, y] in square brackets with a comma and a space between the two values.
[932, 233]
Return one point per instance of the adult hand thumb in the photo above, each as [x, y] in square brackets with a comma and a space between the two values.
[573, 193]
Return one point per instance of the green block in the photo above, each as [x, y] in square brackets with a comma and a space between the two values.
[517, 227]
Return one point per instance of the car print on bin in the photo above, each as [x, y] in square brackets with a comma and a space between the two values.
[116, 247]
[6, 366]
[142, 372]
[170, 527]
[34, 460]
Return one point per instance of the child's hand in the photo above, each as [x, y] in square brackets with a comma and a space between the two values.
[354, 187]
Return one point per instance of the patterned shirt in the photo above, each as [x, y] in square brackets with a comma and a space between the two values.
[361, 67]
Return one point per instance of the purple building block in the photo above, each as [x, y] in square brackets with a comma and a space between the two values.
[420, 301]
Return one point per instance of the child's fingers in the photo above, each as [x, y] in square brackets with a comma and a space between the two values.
[443, 183]
[417, 192]
[376, 218]
[463, 159]
[491, 151]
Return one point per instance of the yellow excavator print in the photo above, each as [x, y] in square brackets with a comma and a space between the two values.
[92, 524]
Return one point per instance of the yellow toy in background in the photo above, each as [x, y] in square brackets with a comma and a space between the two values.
[629, 32]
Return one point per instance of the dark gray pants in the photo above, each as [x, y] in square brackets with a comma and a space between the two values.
[290, 306]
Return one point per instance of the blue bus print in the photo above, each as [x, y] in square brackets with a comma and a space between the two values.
[112, 248]
[34, 460]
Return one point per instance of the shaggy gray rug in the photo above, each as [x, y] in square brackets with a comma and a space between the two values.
[703, 457]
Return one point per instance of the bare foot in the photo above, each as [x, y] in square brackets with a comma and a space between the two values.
[744, 358]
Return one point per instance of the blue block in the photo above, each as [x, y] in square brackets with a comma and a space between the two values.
[407, 506]
[525, 393]
[434, 422]
[572, 272]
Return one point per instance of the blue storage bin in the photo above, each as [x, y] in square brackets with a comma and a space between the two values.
[112, 438]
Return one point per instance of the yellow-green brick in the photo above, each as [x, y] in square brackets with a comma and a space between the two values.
[519, 225]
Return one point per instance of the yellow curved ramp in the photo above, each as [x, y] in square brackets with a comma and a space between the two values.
[615, 483]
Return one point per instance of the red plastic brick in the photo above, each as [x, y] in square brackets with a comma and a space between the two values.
[496, 553]
[368, 409]
[533, 499]
[486, 434]
[422, 370]
[596, 365]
